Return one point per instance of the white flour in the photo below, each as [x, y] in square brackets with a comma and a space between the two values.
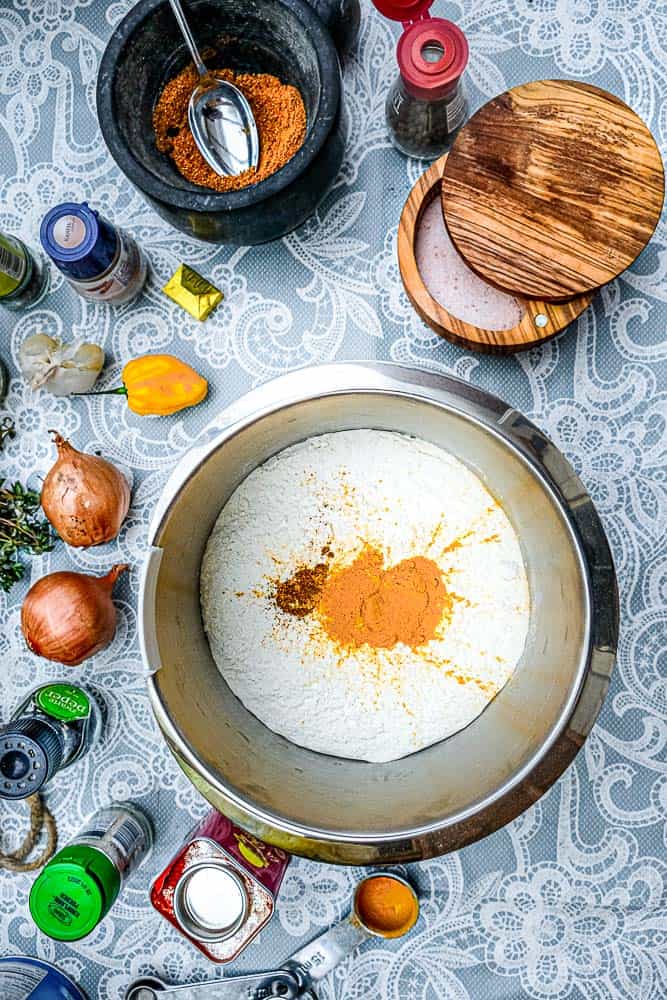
[406, 497]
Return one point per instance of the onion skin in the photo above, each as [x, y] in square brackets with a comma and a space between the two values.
[85, 498]
[68, 617]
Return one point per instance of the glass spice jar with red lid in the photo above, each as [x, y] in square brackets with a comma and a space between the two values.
[426, 106]
[220, 889]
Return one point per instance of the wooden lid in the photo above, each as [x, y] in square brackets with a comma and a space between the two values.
[540, 320]
[552, 189]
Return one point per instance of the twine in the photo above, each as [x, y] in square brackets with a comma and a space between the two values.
[40, 819]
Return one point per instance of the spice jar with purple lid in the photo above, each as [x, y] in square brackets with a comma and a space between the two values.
[426, 106]
[220, 888]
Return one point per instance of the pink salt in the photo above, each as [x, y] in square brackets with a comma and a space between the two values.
[451, 282]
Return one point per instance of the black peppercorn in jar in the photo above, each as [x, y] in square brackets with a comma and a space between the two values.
[426, 106]
[424, 127]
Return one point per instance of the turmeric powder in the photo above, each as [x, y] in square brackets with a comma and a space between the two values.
[365, 604]
[386, 905]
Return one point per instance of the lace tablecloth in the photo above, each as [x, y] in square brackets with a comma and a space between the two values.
[569, 900]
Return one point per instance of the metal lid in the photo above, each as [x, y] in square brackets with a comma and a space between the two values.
[210, 901]
[76, 890]
[432, 55]
[146, 988]
[31, 752]
[80, 242]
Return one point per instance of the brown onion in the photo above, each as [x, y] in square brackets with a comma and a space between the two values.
[68, 617]
[85, 498]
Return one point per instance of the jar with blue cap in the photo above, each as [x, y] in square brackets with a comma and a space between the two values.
[24, 978]
[100, 261]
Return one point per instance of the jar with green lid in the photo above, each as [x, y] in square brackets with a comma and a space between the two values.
[24, 275]
[80, 884]
[53, 727]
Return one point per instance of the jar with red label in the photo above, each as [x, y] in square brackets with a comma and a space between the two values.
[220, 889]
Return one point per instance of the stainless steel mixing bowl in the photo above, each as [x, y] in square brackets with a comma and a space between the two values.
[456, 791]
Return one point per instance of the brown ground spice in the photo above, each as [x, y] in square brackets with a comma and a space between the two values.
[299, 594]
[279, 112]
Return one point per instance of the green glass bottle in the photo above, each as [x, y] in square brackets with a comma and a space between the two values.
[24, 276]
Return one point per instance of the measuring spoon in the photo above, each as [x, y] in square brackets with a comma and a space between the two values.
[296, 978]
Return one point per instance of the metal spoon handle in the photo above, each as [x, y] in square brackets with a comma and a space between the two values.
[187, 35]
[316, 960]
[256, 986]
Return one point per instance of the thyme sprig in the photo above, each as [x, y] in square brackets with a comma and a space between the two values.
[22, 530]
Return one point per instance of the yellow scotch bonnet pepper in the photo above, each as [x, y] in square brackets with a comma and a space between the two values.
[159, 384]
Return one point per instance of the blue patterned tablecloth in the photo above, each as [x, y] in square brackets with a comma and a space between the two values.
[570, 899]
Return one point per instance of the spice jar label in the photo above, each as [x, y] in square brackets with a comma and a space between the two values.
[267, 864]
[108, 287]
[63, 702]
[12, 265]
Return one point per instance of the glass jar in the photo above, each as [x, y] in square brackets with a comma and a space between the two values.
[80, 884]
[101, 262]
[424, 127]
[24, 275]
[122, 832]
[426, 106]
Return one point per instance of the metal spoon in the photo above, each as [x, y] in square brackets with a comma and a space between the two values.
[294, 981]
[219, 116]
[257, 986]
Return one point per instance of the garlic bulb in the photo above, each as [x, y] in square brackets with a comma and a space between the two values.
[60, 368]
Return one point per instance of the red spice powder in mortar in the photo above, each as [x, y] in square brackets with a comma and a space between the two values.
[279, 112]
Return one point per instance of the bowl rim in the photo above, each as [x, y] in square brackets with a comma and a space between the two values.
[594, 668]
[202, 199]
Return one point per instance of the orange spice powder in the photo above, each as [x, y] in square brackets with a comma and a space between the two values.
[279, 112]
[386, 906]
[364, 603]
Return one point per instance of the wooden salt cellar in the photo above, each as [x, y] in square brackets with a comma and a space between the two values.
[527, 222]
[540, 320]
